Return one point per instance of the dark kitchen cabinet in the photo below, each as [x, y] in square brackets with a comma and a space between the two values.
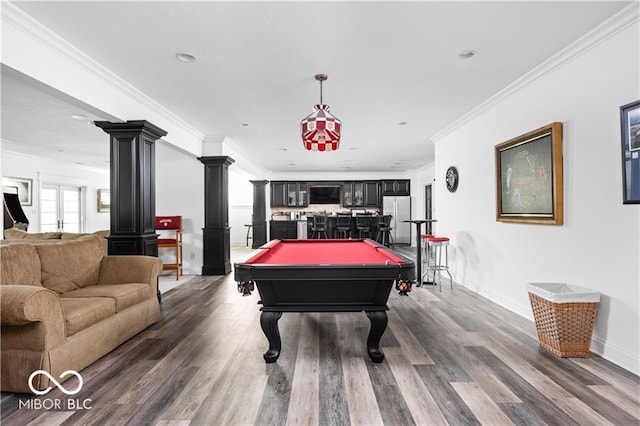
[301, 194]
[396, 187]
[278, 194]
[353, 194]
[289, 194]
[372, 197]
[283, 230]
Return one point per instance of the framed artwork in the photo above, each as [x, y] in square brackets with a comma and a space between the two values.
[25, 188]
[104, 200]
[630, 128]
[529, 177]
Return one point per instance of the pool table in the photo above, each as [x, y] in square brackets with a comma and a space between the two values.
[323, 276]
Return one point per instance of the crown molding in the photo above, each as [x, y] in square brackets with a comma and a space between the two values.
[626, 17]
[17, 18]
[256, 170]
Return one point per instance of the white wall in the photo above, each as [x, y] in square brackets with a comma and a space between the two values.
[180, 192]
[598, 245]
[240, 205]
[44, 170]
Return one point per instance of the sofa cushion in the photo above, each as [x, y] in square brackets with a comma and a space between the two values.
[125, 295]
[58, 283]
[19, 265]
[74, 235]
[18, 234]
[78, 260]
[81, 313]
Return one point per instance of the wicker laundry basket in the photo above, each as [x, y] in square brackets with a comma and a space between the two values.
[564, 317]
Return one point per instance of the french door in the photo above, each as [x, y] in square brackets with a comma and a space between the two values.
[61, 208]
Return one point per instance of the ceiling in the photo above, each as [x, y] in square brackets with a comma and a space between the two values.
[395, 76]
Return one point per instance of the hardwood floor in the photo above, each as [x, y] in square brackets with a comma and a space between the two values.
[452, 357]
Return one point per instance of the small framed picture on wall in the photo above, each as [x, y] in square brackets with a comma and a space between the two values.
[25, 188]
[630, 138]
[104, 200]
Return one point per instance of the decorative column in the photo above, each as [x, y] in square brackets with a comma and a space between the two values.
[133, 192]
[259, 216]
[216, 231]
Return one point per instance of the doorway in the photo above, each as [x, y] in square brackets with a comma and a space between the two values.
[61, 208]
[428, 208]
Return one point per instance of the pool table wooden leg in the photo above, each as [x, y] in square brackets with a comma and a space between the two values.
[378, 326]
[269, 324]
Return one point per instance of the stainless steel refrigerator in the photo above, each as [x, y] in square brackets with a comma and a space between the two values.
[400, 209]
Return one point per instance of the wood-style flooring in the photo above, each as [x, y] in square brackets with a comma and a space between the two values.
[452, 357]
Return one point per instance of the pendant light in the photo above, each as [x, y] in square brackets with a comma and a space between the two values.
[321, 130]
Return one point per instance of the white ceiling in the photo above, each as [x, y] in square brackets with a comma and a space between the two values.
[387, 62]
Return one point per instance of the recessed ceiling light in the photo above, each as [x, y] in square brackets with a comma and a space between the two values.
[244, 124]
[467, 54]
[353, 148]
[185, 57]
[79, 117]
[402, 123]
[284, 149]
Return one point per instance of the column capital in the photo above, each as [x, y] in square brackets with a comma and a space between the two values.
[217, 160]
[132, 126]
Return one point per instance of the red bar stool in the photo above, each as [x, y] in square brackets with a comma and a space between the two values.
[436, 245]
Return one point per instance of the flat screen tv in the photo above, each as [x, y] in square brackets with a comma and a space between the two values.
[324, 195]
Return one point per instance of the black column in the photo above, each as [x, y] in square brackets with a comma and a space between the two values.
[259, 217]
[216, 231]
[133, 192]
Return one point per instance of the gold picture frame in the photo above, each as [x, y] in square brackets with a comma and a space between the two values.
[104, 200]
[529, 179]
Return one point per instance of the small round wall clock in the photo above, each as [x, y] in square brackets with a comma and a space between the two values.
[452, 179]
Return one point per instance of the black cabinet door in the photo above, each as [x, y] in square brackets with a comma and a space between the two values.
[403, 187]
[372, 193]
[302, 194]
[388, 187]
[358, 194]
[283, 230]
[396, 187]
[292, 194]
[291, 232]
[278, 194]
[347, 194]
[296, 194]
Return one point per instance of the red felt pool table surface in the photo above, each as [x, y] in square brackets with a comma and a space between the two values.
[323, 252]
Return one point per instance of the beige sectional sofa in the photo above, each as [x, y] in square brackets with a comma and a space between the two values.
[13, 235]
[65, 303]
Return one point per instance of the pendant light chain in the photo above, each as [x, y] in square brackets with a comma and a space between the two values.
[321, 93]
